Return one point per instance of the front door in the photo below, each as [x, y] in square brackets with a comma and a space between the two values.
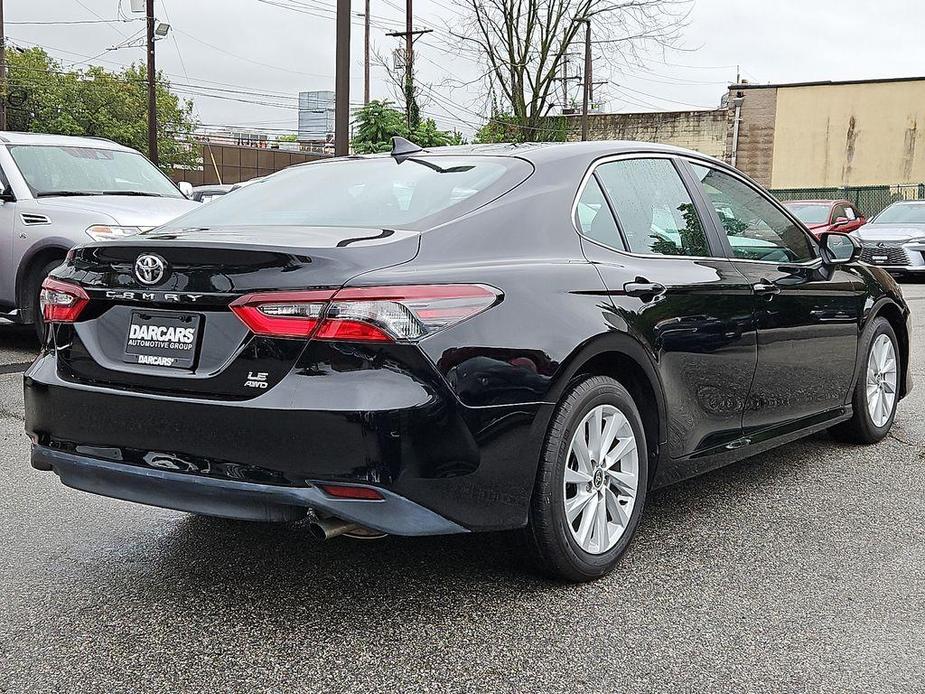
[674, 290]
[808, 315]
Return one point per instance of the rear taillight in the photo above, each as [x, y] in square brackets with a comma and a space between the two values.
[364, 314]
[61, 302]
[282, 314]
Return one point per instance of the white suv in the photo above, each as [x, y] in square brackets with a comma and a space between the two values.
[57, 192]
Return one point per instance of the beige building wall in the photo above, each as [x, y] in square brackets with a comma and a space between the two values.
[868, 133]
[703, 131]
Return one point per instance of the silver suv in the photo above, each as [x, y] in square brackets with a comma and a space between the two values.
[57, 192]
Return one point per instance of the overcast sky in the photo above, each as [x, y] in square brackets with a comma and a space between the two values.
[243, 61]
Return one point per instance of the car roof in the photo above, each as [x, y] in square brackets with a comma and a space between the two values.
[815, 202]
[16, 138]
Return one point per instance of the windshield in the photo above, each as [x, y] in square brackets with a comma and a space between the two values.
[371, 192]
[813, 213]
[903, 213]
[53, 170]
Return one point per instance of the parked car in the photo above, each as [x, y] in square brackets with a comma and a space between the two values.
[60, 191]
[895, 238]
[209, 192]
[821, 216]
[458, 340]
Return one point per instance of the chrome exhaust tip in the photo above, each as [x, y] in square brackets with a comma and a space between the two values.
[328, 528]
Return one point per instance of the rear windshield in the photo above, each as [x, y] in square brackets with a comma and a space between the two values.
[902, 214]
[373, 192]
[810, 213]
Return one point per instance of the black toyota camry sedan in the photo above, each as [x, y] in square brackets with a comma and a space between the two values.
[460, 340]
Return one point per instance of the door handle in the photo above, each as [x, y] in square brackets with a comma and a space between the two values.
[765, 288]
[643, 289]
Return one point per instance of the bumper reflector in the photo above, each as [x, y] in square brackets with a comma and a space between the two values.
[343, 491]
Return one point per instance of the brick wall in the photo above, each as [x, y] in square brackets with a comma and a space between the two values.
[235, 164]
[755, 151]
[703, 131]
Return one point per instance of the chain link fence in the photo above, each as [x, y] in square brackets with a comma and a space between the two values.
[868, 199]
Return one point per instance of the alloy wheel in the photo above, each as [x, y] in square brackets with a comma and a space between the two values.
[881, 380]
[601, 479]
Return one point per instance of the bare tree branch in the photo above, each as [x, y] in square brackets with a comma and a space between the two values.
[523, 44]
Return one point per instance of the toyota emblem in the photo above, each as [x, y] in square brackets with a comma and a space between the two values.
[150, 268]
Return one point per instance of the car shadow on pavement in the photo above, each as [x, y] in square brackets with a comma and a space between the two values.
[284, 559]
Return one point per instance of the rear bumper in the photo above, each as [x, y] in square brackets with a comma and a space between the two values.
[234, 499]
[397, 429]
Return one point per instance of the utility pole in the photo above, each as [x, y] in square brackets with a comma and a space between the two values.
[342, 81]
[409, 33]
[409, 64]
[586, 91]
[3, 89]
[152, 91]
[365, 55]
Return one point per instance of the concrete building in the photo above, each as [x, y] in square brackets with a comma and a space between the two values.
[809, 135]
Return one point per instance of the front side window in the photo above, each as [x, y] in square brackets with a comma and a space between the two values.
[839, 213]
[377, 192]
[52, 170]
[756, 229]
[653, 208]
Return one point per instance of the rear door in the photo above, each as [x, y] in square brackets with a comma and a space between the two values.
[808, 315]
[675, 291]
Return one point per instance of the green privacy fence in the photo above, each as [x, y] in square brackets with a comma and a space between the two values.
[868, 199]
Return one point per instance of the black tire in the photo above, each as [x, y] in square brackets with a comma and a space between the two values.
[553, 550]
[861, 428]
[34, 288]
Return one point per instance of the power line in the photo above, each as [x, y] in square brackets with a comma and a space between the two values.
[74, 21]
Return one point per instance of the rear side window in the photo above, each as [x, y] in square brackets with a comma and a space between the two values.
[755, 228]
[653, 208]
[594, 218]
[378, 192]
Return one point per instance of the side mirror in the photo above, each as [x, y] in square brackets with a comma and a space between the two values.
[838, 249]
[186, 188]
[840, 221]
[7, 195]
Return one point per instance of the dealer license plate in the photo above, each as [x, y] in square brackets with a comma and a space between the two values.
[162, 339]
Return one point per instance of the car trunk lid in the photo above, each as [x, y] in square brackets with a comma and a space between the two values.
[175, 333]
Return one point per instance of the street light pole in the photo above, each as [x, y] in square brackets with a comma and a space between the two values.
[342, 81]
[152, 91]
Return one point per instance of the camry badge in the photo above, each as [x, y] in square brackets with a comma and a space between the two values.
[150, 268]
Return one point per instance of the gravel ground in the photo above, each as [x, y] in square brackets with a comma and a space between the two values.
[799, 570]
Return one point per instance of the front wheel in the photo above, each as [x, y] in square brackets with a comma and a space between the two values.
[877, 391]
[591, 486]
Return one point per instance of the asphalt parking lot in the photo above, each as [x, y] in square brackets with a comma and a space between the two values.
[799, 570]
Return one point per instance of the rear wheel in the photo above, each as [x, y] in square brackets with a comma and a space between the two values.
[591, 486]
[877, 391]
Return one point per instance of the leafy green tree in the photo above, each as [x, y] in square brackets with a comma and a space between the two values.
[46, 97]
[505, 127]
[378, 122]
